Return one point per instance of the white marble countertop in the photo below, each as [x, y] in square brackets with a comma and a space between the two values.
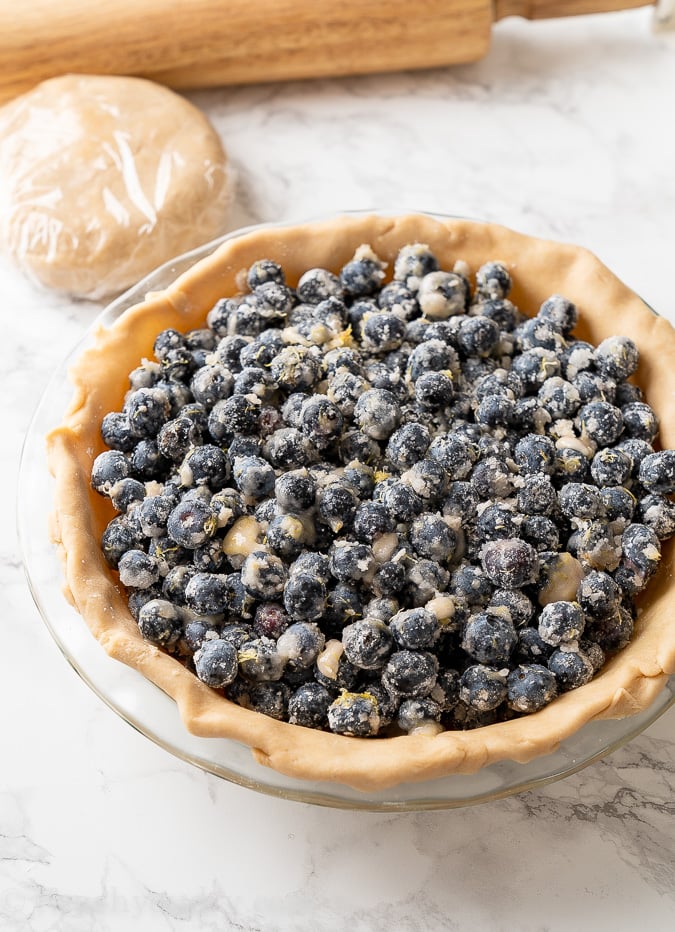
[565, 130]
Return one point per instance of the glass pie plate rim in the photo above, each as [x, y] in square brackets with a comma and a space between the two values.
[154, 714]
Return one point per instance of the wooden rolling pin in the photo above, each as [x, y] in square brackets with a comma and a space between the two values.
[205, 43]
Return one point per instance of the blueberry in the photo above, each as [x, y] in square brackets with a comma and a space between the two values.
[350, 561]
[617, 357]
[191, 523]
[559, 397]
[424, 579]
[262, 271]
[286, 536]
[175, 583]
[501, 311]
[146, 462]
[639, 421]
[427, 478]
[658, 513]
[571, 668]
[320, 419]
[414, 629]
[360, 477]
[537, 496]
[237, 414]
[312, 564]
[382, 332]
[601, 422]
[510, 563]
[610, 467]
[477, 336]
[177, 437]
[434, 390]
[493, 280]
[432, 356]
[412, 263]
[400, 300]
[205, 465]
[226, 506]
[377, 413]
[561, 622]
[539, 333]
[253, 476]
[460, 501]
[147, 410]
[454, 454]
[560, 312]
[410, 674]
[300, 644]
[355, 445]
[627, 393]
[619, 503]
[138, 569]
[228, 351]
[530, 687]
[316, 285]
[535, 454]
[362, 276]
[260, 660]
[471, 584]
[571, 465]
[126, 493]
[580, 500]
[207, 593]
[530, 647]
[657, 472]
[408, 444]
[116, 540]
[270, 620]
[512, 604]
[117, 432]
[612, 632]
[304, 597]
[446, 691]
[354, 714]
[496, 522]
[401, 502]
[483, 687]
[295, 491]
[535, 366]
[416, 714]
[432, 538]
[541, 532]
[593, 386]
[371, 520]
[216, 663]
[166, 342]
[308, 706]
[442, 294]
[489, 638]
[641, 547]
[389, 578]
[491, 479]
[345, 390]
[274, 301]
[108, 468]
[154, 513]
[209, 558]
[264, 575]
[262, 350]
[287, 448]
[159, 622]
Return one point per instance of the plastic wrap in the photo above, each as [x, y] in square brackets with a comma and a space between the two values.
[104, 178]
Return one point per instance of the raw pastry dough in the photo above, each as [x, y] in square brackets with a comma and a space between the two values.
[104, 178]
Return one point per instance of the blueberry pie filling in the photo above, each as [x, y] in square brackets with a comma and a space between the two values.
[341, 496]
[403, 491]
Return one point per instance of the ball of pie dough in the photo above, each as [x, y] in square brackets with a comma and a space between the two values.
[104, 178]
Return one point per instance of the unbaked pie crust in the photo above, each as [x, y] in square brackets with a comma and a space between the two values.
[627, 684]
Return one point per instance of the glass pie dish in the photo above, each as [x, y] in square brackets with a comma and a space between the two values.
[156, 715]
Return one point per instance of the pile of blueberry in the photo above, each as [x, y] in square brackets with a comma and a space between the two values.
[371, 506]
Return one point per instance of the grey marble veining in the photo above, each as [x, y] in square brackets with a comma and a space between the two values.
[564, 130]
